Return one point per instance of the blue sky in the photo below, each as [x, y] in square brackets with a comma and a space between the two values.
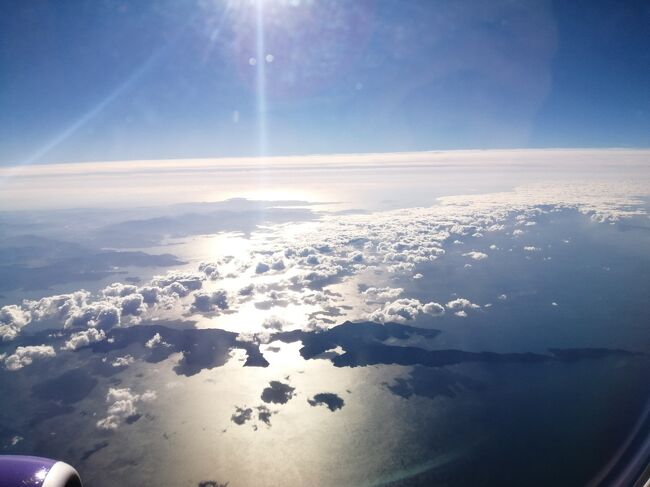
[88, 80]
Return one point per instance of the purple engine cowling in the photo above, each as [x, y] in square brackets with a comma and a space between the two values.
[24, 471]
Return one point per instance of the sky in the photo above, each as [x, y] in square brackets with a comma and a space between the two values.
[98, 81]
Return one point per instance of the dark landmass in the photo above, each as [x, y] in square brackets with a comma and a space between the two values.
[212, 483]
[574, 354]
[90, 452]
[151, 231]
[264, 414]
[47, 410]
[350, 335]
[329, 399]
[68, 388]
[241, 415]
[432, 383]
[31, 263]
[362, 343]
[277, 392]
[201, 349]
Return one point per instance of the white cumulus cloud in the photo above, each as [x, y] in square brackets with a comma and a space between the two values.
[24, 356]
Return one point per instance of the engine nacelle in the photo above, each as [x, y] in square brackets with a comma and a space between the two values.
[19, 471]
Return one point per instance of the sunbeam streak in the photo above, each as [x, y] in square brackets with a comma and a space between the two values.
[97, 109]
[261, 81]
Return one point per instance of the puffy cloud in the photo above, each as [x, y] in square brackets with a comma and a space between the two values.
[102, 314]
[156, 341]
[476, 255]
[405, 309]
[176, 290]
[247, 290]
[24, 356]
[461, 303]
[133, 304]
[530, 248]
[119, 290]
[320, 276]
[275, 298]
[433, 309]
[461, 314]
[188, 280]
[259, 337]
[205, 302]
[12, 320]
[122, 406]
[275, 323]
[262, 267]
[210, 270]
[381, 294]
[400, 310]
[59, 306]
[84, 338]
[115, 305]
[278, 265]
[123, 361]
[150, 294]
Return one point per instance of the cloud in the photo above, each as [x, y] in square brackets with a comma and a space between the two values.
[119, 290]
[476, 255]
[275, 323]
[84, 338]
[156, 341]
[381, 294]
[275, 298]
[24, 356]
[210, 270]
[150, 294]
[133, 304]
[259, 337]
[189, 280]
[433, 309]
[461, 303]
[262, 267]
[12, 320]
[116, 305]
[102, 315]
[205, 302]
[405, 309]
[399, 242]
[400, 310]
[122, 406]
[123, 361]
[59, 307]
[247, 290]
